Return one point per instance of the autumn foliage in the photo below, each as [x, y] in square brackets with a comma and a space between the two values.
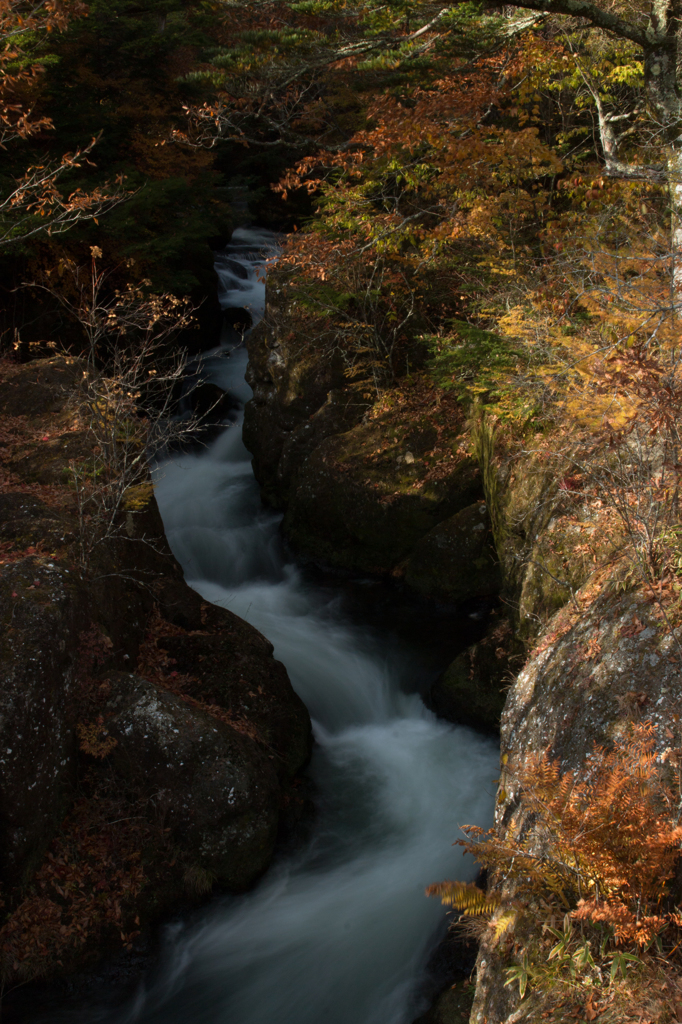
[594, 864]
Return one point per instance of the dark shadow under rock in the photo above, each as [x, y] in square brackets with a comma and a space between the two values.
[456, 560]
[473, 689]
[447, 987]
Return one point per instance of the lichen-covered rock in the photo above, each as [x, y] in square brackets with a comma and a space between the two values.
[213, 787]
[593, 671]
[598, 666]
[41, 614]
[456, 560]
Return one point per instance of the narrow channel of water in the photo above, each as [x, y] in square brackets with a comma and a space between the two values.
[340, 932]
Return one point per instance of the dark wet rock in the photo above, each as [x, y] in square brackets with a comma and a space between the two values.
[453, 1006]
[214, 788]
[456, 560]
[42, 612]
[446, 988]
[42, 386]
[231, 665]
[27, 521]
[473, 688]
[211, 404]
[237, 318]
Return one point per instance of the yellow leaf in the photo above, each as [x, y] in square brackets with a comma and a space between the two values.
[504, 923]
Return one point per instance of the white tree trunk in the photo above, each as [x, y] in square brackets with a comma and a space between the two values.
[675, 186]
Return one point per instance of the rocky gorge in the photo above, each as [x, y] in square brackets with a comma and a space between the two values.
[404, 485]
[164, 724]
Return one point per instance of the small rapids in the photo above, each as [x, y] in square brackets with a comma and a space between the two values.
[340, 931]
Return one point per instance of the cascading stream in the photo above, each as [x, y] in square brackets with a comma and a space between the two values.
[340, 932]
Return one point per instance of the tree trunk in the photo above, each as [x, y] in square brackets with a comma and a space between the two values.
[674, 168]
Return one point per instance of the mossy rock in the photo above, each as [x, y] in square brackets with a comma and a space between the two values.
[562, 560]
[351, 509]
[360, 479]
[546, 536]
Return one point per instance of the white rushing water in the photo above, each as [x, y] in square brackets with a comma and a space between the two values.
[340, 932]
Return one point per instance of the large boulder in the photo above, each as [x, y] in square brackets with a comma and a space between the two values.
[359, 504]
[600, 664]
[230, 665]
[213, 787]
[360, 479]
[42, 613]
[472, 690]
[456, 560]
[183, 771]
[299, 397]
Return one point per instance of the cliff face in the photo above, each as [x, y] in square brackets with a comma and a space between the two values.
[384, 487]
[577, 650]
[148, 741]
[600, 654]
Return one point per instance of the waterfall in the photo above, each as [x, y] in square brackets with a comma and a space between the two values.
[340, 931]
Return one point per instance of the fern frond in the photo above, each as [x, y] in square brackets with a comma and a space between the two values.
[502, 924]
[465, 897]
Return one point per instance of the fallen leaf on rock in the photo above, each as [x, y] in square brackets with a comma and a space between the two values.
[635, 627]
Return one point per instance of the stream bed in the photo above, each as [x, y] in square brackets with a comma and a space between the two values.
[340, 930]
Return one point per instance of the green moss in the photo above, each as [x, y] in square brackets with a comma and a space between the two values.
[470, 356]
